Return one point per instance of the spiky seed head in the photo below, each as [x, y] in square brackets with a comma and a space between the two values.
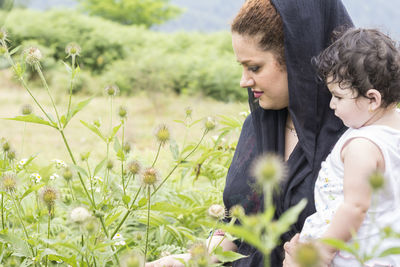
[132, 259]
[150, 176]
[126, 147]
[9, 181]
[79, 215]
[237, 211]
[307, 255]
[188, 112]
[73, 49]
[49, 197]
[67, 174]
[376, 180]
[111, 90]
[133, 167]
[6, 146]
[163, 134]
[11, 154]
[32, 55]
[122, 112]
[216, 211]
[268, 169]
[110, 164]
[210, 123]
[26, 109]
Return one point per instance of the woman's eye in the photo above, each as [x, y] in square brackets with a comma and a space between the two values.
[253, 68]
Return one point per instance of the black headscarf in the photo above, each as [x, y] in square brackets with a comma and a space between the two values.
[308, 27]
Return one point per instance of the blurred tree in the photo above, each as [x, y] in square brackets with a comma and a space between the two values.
[142, 12]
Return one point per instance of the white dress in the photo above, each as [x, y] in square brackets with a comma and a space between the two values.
[385, 205]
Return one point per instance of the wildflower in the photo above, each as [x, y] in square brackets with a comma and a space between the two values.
[307, 255]
[111, 90]
[54, 176]
[133, 167]
[132, 259]
[11, 155]
[188, 112]
[268, 169]
[162, 134]
[110, 164]
[237, 211]
[216, 211]
[150, 176]
[8, 181]
[122, 112]
[210, 123]
[26, 109]
[119, 240]
[79, 215]
[49, 197]
[36, 177]
[67, 174]
[85, 156]
[199, 255]
[126, 147]
[376, 180]
[21, 163]
[59, 163]
[72, 50]
[6, 146]
[32, 55]
[97, 179]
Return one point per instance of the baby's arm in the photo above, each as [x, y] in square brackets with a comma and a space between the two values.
[360, 158]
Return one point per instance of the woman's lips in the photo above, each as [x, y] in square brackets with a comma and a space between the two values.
[257, 94]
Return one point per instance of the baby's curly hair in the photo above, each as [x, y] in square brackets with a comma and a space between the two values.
[362, 59]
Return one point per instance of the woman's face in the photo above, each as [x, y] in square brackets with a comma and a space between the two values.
[261, 72]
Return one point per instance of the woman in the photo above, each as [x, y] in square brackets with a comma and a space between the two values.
[274, 41]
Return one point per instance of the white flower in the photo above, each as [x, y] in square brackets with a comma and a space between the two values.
[59, 163]
[216, 211]
[21, 163]
[120, 240]
[54, 176]
[36, 177]
[79, 215]
[32, 55]
[97, 179]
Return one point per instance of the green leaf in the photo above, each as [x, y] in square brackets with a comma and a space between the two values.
[71, 260]
[15, 50]
[111, 219]
[167, 207]
[114, 132]
[227, 256]
[339, 244]
[241, 232]
[32, 118]
[117, 145]
[126, 199]
[75, 109]
[390, 251]
[20, 246]
[69, 70]
[94, 129]
[99, 167]
[142, 202]
[173, 146]
[32, 189]
[195, 122]
[80, 170]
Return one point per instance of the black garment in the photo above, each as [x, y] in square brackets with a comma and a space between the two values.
[308, 27]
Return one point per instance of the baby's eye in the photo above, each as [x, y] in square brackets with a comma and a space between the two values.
[253, 68]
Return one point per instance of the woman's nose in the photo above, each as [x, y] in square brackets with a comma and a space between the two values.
[246, 81]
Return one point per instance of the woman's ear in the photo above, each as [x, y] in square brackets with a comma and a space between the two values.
[375, 99]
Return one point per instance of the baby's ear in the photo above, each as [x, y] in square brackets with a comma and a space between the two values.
[375, 98]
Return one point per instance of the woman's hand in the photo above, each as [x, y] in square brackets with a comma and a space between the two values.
[170, 261]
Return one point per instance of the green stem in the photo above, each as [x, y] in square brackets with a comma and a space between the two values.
[180, 162]
[90, 179]
[148, 222]
[158, 153]
[48, 236]
[71, 84]
[106, 232]
[122, 161]
[23, 139]
[2, 211]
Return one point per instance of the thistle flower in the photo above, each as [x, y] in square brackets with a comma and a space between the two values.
[122, 112]
[6, 146]
[26, 109]
[210, 123]
[9, 181]
[36, 177]
[307, 255]
[49, 197]
[11, 154]
[59, 163]
[120, 240]
[111, 90]
[32, 55]
[162, 134]
[133, 167]
[268, 169]
[79, 215]
[376, 180]
[54, 176]
[132, 259]
[67, 174]
[188, 112]
[237, 211]
[150, 176]
[72, 50]
[216, 211]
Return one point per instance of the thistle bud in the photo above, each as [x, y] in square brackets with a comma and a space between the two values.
[72, 50]
[26, 109]
[32, 55]
[122, 112]
[237, 211]
[11, 154]
[85, 156]
[3, 49]
[210, 123]
[163, 134]
[110, 164]
[216, 211]
[111, 90]
[376, 180]
[126, 147]
[97, 123]
[268, 169]
[150, 176]
[9, 181]
[133, 167]
[49, 197]
[6, 146]
[307, 255]
[67, 174]
[188, 112]
[79, 215]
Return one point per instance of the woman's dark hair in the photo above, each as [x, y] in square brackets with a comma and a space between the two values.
[362, 59]
[260, 18]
